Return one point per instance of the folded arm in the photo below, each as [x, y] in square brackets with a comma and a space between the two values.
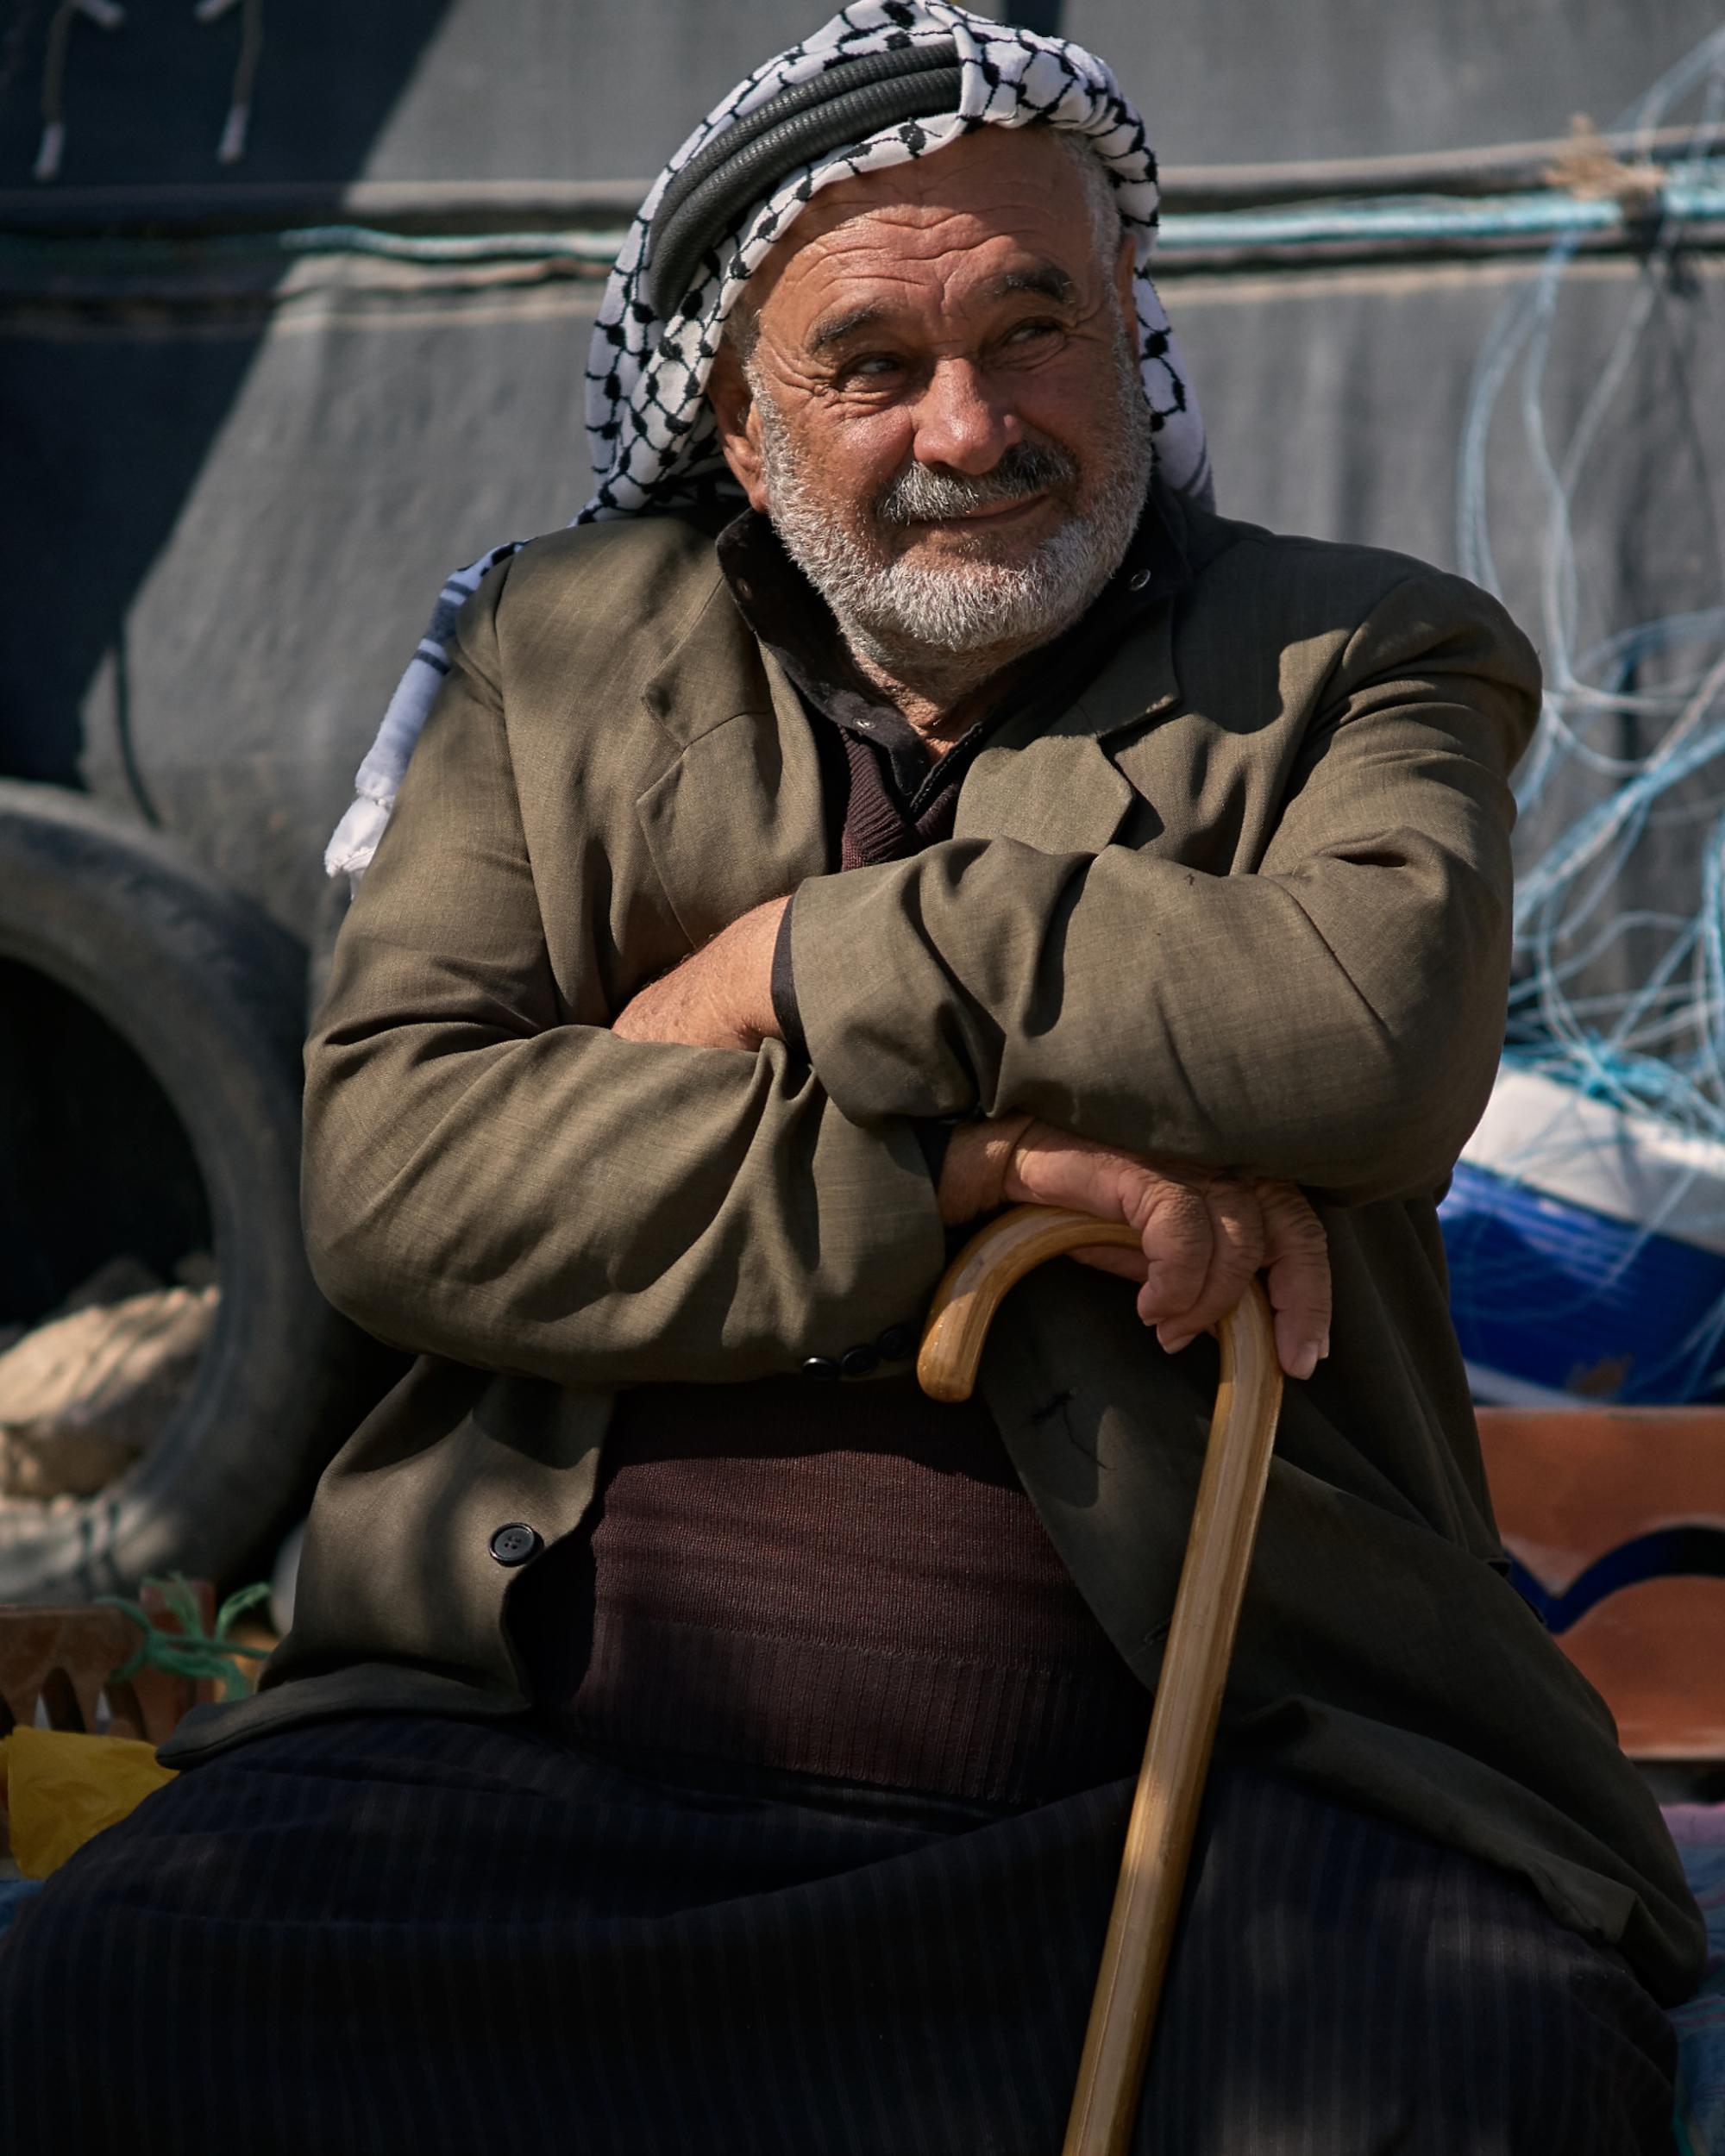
[1331, 1020]
[485, 1179]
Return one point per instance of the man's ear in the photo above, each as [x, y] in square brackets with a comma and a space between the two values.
[1126, 279]
[733, 408]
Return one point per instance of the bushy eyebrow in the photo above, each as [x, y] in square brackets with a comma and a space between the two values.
[1045, 281]
[837, 328]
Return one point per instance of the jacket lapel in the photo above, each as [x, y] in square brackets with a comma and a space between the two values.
[1055, 786]
[745, 763]
[737, 818]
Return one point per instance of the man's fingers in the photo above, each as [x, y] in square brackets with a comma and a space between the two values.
[720, 996]
[1177, 1237]
[1203, 1235]
[1297, 1276]
[1237, 1251]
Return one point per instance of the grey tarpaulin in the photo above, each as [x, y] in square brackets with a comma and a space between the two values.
[507, 89]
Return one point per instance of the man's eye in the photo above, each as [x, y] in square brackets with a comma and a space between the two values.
[1028, 332]
[870, 366]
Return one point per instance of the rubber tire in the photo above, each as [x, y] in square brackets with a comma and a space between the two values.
[210, 995]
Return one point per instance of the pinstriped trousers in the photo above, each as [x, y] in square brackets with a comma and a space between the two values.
[420, 1935]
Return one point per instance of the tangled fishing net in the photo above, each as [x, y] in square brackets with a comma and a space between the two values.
[1618, 984]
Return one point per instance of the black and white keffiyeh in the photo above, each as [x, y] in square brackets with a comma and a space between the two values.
[654, 444]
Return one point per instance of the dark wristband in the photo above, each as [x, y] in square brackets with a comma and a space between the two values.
[934, 1138]
[783, 990]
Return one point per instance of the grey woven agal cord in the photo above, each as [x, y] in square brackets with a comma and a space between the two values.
[707, 200]
[884, 82]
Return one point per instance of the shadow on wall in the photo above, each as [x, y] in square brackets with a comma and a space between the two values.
[102, 432]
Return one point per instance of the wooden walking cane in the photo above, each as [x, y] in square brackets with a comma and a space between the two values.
[1195, 1662]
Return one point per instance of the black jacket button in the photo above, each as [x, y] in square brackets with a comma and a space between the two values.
[858, 1362]
[820, 1366]
[514, 1545]
[898, 1343]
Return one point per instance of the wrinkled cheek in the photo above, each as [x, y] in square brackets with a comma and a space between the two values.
[853, 460]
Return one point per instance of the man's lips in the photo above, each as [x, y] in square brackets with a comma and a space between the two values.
[986, 512]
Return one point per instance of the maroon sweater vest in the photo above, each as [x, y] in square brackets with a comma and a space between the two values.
[845, 1581]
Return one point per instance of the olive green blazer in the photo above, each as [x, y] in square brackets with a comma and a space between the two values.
[1246, 901]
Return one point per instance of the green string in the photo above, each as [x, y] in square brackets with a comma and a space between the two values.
[191, 1653]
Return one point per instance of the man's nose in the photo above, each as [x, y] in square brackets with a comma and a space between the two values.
[960, 423]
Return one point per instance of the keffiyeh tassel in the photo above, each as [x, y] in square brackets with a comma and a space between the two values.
[379, 779]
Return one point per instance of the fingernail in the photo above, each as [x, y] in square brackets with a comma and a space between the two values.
[1172, 1344]
[1305, 1362]
[1323, 1352]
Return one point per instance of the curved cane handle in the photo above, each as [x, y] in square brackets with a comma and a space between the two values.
[996, 1258]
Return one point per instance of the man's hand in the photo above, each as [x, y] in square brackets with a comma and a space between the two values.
[1203, 1234]
[721, 997]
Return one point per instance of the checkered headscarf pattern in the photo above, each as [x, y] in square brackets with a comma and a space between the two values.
[654, 446]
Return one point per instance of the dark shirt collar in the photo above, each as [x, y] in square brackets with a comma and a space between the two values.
[792, 620]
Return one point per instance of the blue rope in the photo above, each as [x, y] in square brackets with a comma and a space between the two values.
[1689, 198]
[599, 249]
[1687, 195]
[1411, 219]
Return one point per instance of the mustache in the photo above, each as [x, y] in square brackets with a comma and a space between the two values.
[921, 493]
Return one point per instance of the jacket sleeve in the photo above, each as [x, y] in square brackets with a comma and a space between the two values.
[1333, 1018]
[487, 1182]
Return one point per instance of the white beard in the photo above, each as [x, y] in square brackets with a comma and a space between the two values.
[913, 619]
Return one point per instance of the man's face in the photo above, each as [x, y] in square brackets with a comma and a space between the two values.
[941, 409]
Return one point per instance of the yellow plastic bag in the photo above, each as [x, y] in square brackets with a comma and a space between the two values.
[61, 1788]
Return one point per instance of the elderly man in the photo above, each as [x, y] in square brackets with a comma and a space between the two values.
[691, 1737]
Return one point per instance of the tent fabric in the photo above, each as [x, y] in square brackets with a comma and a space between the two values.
[498, 90]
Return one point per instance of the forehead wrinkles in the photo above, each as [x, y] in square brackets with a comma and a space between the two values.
[938, 268]
[948, 259]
